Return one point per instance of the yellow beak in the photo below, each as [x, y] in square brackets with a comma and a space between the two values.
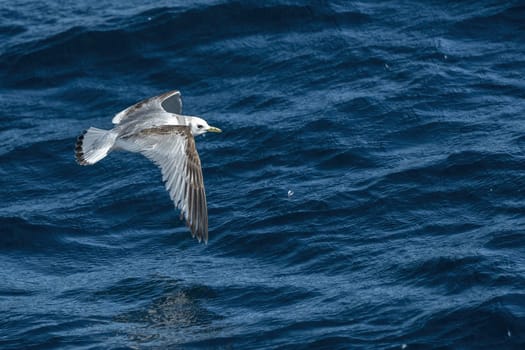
[214, 129]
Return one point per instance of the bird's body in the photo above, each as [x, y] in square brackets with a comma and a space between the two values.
[157, 129]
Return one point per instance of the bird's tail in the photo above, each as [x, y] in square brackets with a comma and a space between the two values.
[93, 145]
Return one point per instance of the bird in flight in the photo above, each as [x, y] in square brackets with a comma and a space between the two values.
[156, 128]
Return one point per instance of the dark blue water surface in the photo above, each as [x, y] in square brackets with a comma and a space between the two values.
[398, 125]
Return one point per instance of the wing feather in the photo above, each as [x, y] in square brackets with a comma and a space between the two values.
[172, 148]
[170, 102]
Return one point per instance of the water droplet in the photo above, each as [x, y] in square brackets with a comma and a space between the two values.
[508, 333]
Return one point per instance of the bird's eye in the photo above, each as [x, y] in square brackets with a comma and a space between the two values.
[199, 126]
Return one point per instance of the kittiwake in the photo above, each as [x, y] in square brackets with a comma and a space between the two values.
[156, 128]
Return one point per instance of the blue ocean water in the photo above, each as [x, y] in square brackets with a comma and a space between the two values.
[398, 125]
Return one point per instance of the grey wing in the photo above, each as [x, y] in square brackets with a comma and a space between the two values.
[170, 102]
[172, 148]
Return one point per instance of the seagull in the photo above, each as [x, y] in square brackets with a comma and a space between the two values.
[156, 128]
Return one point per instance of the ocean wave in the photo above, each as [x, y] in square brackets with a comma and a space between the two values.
[366, 191]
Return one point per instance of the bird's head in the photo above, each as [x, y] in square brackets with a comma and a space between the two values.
[199, 126]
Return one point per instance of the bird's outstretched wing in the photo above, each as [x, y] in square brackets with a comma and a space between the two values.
[170, 102]
[172, 148]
